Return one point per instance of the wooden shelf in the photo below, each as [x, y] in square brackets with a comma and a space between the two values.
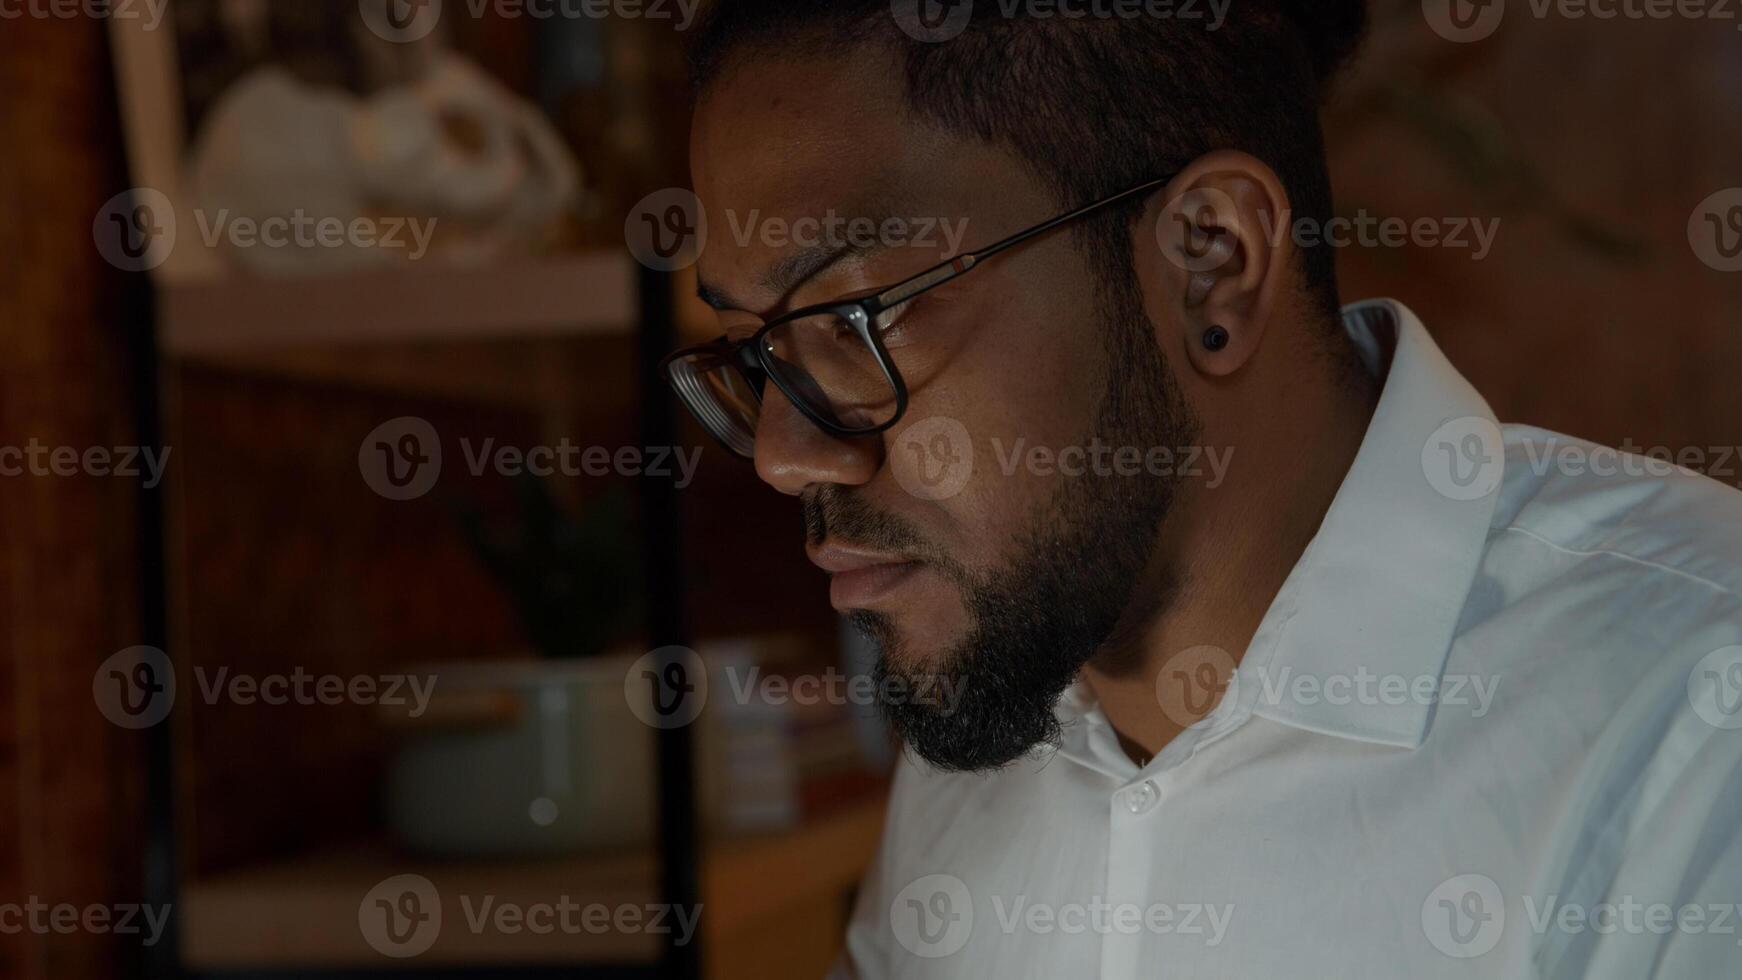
[581, 293]
[303, 914]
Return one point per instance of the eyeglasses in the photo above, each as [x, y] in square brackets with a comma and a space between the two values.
[828, 359]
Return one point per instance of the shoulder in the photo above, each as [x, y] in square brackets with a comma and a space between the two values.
[1609, 606]
[1609, 602]
[1609, 506]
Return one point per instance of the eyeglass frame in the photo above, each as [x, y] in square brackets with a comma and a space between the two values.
[748, 355]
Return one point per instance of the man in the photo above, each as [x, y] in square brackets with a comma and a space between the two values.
[1273, 655]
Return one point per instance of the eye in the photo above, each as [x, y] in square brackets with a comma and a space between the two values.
[888, 322]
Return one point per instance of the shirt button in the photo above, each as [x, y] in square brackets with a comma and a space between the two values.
[1142, 799]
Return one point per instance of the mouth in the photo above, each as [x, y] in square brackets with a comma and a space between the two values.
[860, 579]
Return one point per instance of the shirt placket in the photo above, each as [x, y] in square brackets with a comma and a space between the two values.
[1135, 810]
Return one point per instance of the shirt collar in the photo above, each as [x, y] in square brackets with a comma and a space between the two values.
[1378, 592]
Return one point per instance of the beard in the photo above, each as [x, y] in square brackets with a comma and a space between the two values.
[1079, 582]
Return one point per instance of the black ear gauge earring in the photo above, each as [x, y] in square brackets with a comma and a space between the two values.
[1215, 338]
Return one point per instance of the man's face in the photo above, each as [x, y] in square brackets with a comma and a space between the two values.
[965, 562]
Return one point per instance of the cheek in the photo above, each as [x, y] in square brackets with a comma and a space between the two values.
[1011, 399]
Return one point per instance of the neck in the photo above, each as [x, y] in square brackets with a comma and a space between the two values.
[1230, 549]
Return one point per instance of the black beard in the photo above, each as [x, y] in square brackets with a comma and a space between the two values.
[1080, 583]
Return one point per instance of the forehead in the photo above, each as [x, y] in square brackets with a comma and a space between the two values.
[800, 136]
[776, 128]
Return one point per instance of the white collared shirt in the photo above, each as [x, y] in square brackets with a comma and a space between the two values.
[1491, 726]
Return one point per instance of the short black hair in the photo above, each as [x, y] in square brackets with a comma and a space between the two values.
[1095, 104]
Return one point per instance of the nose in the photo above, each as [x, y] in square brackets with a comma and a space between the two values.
[792, 452]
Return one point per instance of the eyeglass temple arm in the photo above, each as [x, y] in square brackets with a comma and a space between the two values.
[944, 272]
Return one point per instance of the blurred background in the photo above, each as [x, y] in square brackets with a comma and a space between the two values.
[345, 541]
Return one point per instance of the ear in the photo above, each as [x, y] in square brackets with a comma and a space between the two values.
[1223, 227]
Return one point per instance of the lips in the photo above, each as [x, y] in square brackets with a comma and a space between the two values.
[860, 579]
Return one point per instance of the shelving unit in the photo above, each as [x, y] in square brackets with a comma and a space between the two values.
[277, 322]
[580, 293]
[348, 329]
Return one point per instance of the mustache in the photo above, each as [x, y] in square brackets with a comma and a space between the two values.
[832, 511]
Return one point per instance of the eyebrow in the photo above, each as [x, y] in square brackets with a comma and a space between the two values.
[789, 273]
[794, 270]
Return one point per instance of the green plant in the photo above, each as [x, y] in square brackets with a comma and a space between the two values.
[575, 580]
